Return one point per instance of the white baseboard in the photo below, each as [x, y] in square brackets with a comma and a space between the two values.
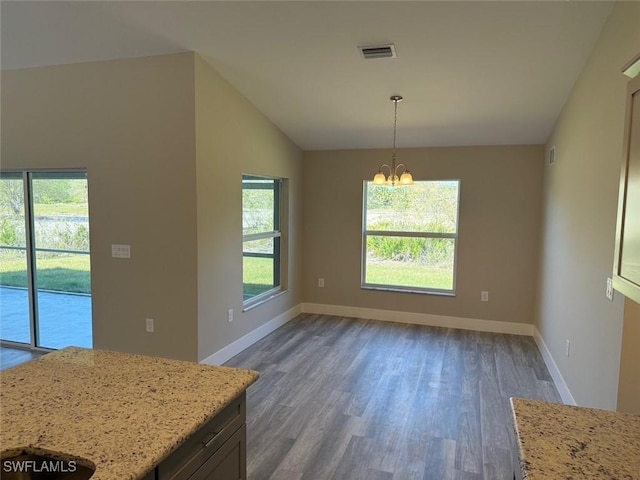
[561, 385]
[421, 319]
[252, 337]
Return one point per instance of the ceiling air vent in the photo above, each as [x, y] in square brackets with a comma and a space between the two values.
[378, 51]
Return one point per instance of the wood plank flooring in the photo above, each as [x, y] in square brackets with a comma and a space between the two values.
[350, 399]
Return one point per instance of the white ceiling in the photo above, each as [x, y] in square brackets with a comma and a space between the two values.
[471, 73]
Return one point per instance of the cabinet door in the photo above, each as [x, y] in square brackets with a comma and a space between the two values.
[228, 463]
[189, 457]
[627, 258]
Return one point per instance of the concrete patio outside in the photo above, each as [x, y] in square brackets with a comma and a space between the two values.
[64, 318]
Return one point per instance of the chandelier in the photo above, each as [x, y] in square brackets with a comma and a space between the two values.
[393, 179]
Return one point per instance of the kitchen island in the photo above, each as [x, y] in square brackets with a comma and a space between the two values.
[119, 414]
[557, 442]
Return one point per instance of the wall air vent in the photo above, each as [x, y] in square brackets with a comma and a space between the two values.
[378, 51]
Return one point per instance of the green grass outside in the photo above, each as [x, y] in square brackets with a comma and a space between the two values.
[60, 273]
[409, 275]
[257, 276]
[55, 209]
[71, 274]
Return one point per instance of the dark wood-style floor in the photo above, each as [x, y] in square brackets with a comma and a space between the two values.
[351, 399]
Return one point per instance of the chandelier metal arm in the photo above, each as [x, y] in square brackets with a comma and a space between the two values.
[384, 165]
[391, 169]
[405, 169]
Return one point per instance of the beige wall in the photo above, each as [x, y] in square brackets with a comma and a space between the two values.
[580, 197]
[629, 385]
[130, 123]
[165, 141]
[498, 233]
[233, 138]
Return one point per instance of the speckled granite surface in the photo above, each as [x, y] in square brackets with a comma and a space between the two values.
[564, 442]
[122, 413]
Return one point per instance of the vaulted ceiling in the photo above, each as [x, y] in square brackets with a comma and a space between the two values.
[471, 73]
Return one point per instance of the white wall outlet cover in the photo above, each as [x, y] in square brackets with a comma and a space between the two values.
[552, 155]
[609, 291]
[121, 251]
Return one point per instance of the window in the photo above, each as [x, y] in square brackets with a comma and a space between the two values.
[261, 237]
[410, 236]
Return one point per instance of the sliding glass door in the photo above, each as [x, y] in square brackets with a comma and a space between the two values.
[45, 286]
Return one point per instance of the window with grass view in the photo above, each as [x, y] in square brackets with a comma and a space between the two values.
[260, 237]
[410, 235]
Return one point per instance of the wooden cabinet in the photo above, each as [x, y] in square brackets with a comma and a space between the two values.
[216, 452]
[627, 255]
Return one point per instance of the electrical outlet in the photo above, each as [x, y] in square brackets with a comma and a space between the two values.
[567, 348]
[609, 292]
[121, 251]
[150, 325]
[484, 296]
[230, 315]
[321, 282]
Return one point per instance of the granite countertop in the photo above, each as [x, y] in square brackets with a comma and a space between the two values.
[122, 413]
[558, 441]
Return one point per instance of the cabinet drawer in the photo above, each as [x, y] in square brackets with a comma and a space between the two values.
[190, 456]
[229, 462]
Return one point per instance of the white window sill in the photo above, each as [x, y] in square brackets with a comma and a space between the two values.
[250, 305]
[388, 288]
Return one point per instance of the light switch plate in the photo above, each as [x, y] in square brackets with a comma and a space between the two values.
[121, 251]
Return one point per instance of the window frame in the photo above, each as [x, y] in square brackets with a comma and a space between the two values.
[391, 233]
[275, 234]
